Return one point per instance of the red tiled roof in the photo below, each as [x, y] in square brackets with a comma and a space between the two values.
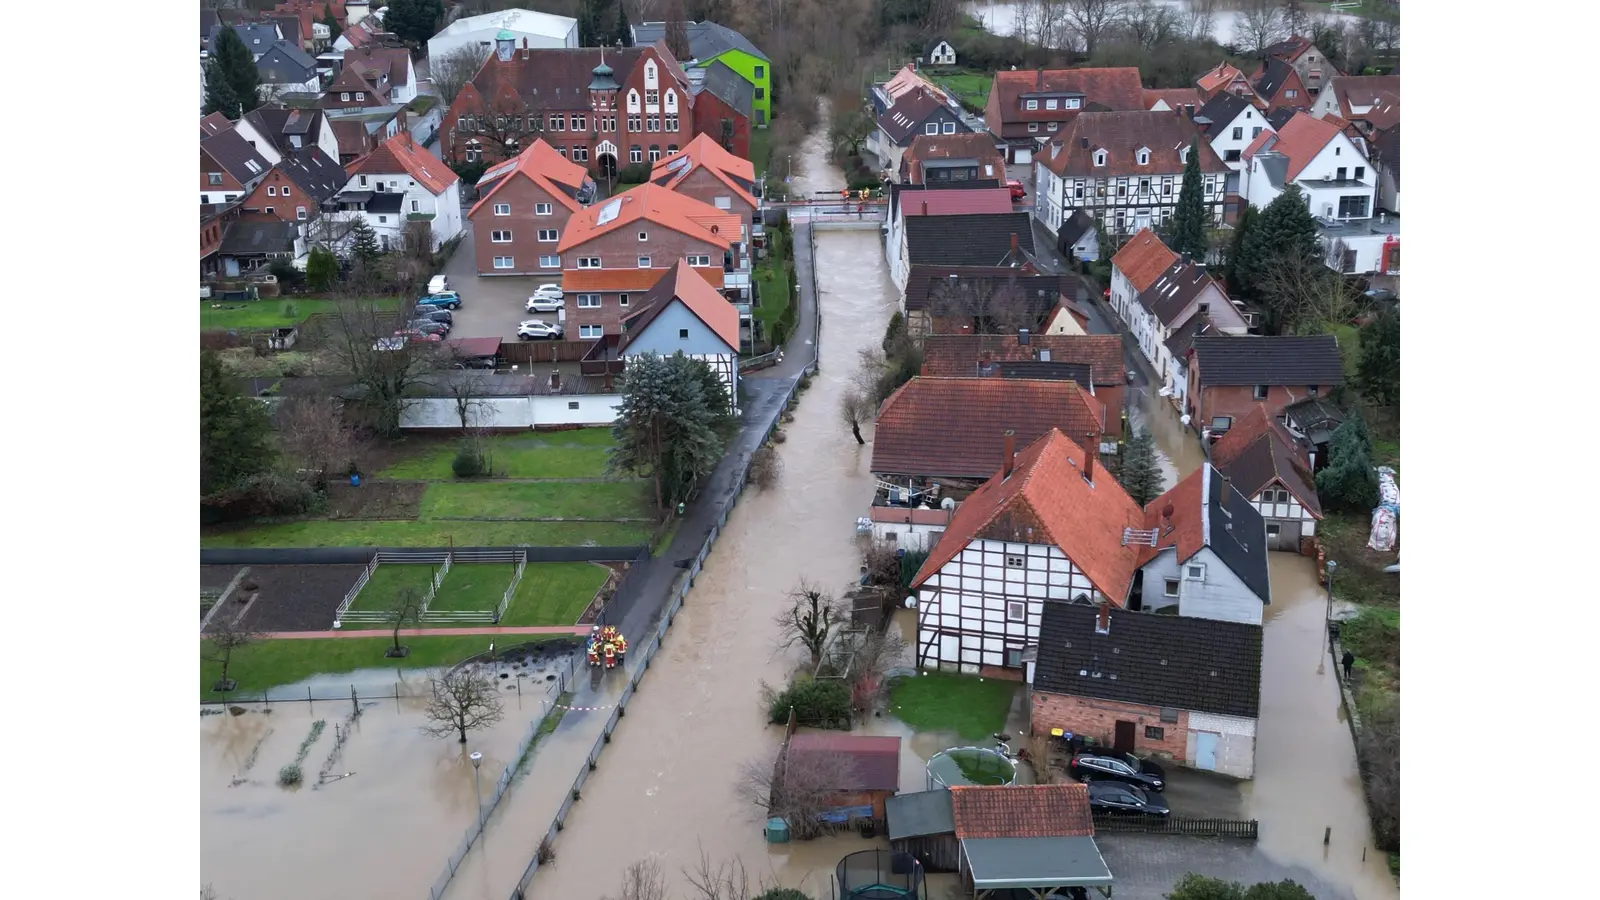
[1122, 135]
[1218, 78]
[1177, 98]
[953, 427]
[955, 202]
[629, 280]
[692, 290]
[1301, 139]
[657, 204]
[901, 515]
[958, 355]
[1112, 88]
[1258, 450]
[1047, 487]
[874, 759]
[1143, 258]
[541, 164]
[705, 153]
[907, 80]
[1186, 529]
[1021, 810]
[402, 154]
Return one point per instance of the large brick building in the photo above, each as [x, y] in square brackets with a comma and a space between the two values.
[603, 109]
[522, 211]
[708, 173]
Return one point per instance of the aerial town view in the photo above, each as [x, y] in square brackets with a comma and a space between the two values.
[800, 450]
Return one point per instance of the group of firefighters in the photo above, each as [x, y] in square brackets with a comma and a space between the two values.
[862, 194]
[607, 645]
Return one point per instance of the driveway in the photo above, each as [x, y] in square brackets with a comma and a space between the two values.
[492, 306]
[1146, 866]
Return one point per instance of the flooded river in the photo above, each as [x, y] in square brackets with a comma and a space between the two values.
[1007, 16]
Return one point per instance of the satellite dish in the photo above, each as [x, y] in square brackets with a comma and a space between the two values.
[947, 503]
[911, 603]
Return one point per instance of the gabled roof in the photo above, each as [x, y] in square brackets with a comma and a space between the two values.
[909, 79]
[247, 238]
[1122, 135]
[1279, 117]
[258, 37]
[1183, 336]
[925, 283]
[560, 177]
[967, 355]
[706, 39]
[1175, 98]
[970, 240]
[1021, 810]
[1271, 77]
[1220, 111]
[285, 63]
[353, 79]
[1207, 512]
[214, 123]
[656, 204]
[290, 28]
[1181, 662]
[955, 202]
[1046, 490]
[235, 155]
[685, 285]
[1361, 91]
[1386, 152]
[314, 173]
[1289, 49]
[1112, 88]
[403, 154]
[1218, 78]
[557, 78]
[730, 87]
[1076, 226]
[873, 760]
[1270, 359]
[629, 280]
[276, 124]
[1258, 451]
[705, 153]
[1385, 112]
[396, 61]
[1298, 142]
[977, 146]
[1175, 288]
[904, 119]
[1143, 259]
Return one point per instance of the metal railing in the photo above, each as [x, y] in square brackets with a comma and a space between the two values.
[1229, 828]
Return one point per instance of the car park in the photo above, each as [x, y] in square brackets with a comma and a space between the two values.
[1109, 765]
[442, 316]
[1125, 799]
[445, 299]
[552, 291]
[535, 330]
[438, 284]
[537, 303]
[428, 326]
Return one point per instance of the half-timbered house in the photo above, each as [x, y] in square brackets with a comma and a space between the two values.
[1266, 463]
[684, 314]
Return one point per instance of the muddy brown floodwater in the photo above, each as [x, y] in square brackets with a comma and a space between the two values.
[1178, 448]
[665, 787]
[1306, 778]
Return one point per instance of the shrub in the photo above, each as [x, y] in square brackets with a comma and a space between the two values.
[289, 775]
[764, 468]
[468, 463]
[824, 704]
[265, 494]
[782, 893]
[637, 173]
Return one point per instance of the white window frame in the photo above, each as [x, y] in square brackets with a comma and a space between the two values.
[505, 262]
[702, 260]
[1016, 611]
[1142, 158]
[930, 128]
[549, 235]
[300, 213]
[416, 206]
[502, 209]
[1032, 104]
[499, 237]
[644, 262]
[344, 96]
[1033, 127]
[550, 262]
[272, 191]
[588, 301]
[543, 209]
[1099, 158]
[588, 262]
[644, 236]
[1050, 103]
[1194, 571]
[591, 332]
[1169, 588]
[1016, 561]
[947, 128]
[361, 95]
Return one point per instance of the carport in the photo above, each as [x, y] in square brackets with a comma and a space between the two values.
[1031, 868]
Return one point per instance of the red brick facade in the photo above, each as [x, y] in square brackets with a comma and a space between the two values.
[1098, 719]
[705, 186]
[277, 199]
[709, 111]
[519, 199]
[619, 253]
[1236, 401]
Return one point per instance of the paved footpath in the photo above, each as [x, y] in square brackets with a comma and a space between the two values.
[429, 632]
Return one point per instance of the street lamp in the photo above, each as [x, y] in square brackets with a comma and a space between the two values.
[477, 787]
[1327, 619]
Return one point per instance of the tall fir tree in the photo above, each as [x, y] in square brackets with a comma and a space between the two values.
[332, 22]
[238, 66]
[1349, 483]
[1283, 230]
[624, 34]
[364, 247]
[1379, 366]
[1241, 232]
[666, 427]
[589, 30]
[1138, 470]
[235, 432]
[1189, 219]
[219, 93]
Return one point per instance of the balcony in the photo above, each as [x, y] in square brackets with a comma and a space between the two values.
[732, 279]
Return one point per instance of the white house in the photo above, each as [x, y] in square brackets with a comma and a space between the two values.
[912, 529]
[1204, 551]
[1180, 293]
[398, 183]
[1230, 122]
[535, 30]
[276, 132]
[939, 53]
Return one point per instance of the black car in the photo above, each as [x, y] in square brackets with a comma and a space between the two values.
[1124, 799]
[474, 362]
[1109, 765]
[429, 326]
[443, 316]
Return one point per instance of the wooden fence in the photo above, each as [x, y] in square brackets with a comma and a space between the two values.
[527, 353]
[1110, 823]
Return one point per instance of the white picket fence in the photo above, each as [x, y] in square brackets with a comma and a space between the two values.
[343, 612]
[481, 616]
[392, 557]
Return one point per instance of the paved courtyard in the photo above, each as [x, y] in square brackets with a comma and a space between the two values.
[492, 306]
[1146, 866]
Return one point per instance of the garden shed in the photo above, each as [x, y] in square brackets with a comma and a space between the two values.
[1022, 842]
[923, 825]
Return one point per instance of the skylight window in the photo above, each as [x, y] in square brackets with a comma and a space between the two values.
[609, 212]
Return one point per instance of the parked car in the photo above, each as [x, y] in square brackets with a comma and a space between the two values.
[1017, 190]
[446, 299]
[552, 291]
[416, 336]
[535, 330]
[1109, 765]
[474, 362]
[1378, 295]
[428, 326]
[1111, 797]
[537, 303]
[438, 284]
[442, 316]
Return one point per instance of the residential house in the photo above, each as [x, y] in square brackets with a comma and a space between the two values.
[1184, 100]
[1202, 549]
[1370, 102]
[970, 300]
[913, 113]
[1313, 421]
[1134, 268]
[976, 239]
[295, 189]
[400, 182]
[1079, 236]
[250, 246]
[389, 68]
[707, 172]
[1178, 345]
[289, 27]
[1227, 78]
[214, 123]
[908, 79]
[285, 68]
[1229, 123]
[683, 313]
[355, 88]
[1278, 86]
[1184, 689]
[1028, 108]
[359, 130]
[711, 43]
[908, 205]
[906, 522]
[613, 252]
[214, 221]
[724, 105]
[951, 431]
[1272, 467]
[311, 15]
[1311, 64]
[636, 99]
[522, 210]
[870, 763]
[229, 167]
[368, 31]
[1156, 302]
[1339, 186]
[1125, 169]
[277, 132]
[537, 29]
[1386, 157]
[259, 37]
[936, 161]
[1230, 376]
[1003, 835]
[1098, 357]
[939, 53]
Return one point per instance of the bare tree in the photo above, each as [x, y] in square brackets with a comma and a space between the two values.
[453, 70]
[468, 389]
[797, 787]
[1090, 20]
[855, 408]
[407, 607]
[1260, 25]
[728, 881]
[224, 637]
[809, 620]
[461, 701]
[314, 435]
[1305, 296]
[1201, 19]
[994, 307]
[1150, 24]
[1295, 17]
[643, 880]
[765, 467]
[333, 232]
[364, 349]
[677, 36]
[873, 654]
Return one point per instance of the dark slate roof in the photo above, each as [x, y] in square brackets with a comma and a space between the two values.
[286, 64]
[903, 121]
[1237, 534]
[386, 202]
[706, 39]
[276, 123]
[982, 239]
[1386, 152]
[1264, 359]
[1314, 413]
[1280, 117]
[1175, 289]
[730, 87]
[257, 36]
[921, 814]
[920, 283]
[234, 154]
[208, 23]
[1176, 662]
[1082, 373]
[1183, 336]
[1220, 111]
[1076, 226]
[250, 238]
[1266, 459]
[927, 52]
[314, 173]
[1273, 76]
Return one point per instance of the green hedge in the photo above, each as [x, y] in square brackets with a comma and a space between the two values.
[817, 704]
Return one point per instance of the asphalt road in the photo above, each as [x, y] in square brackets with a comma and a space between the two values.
[490, 306]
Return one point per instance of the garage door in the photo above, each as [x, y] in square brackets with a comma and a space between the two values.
[1024, 157]
[1283, 534]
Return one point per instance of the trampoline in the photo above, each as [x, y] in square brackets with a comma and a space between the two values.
[879, 875]
[970, 766]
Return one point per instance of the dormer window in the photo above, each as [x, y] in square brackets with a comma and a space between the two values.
[1099, 157]
[1143, 156]
[1033, 104]
[1183, 154]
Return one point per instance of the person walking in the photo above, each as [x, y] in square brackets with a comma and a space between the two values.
[1348, 660]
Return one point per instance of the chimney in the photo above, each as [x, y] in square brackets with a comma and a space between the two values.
[1013, 243]
[1022, 336]
[925, 212]
[1009, 451]
[1091, 449]
[1166, 519]
[1102, 619]
[555, 380]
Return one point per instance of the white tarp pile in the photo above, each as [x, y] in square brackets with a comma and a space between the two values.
[1386, 518]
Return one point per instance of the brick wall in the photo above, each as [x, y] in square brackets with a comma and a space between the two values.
[525, 248]
[706, 187]
[1098, 719]
[709, 111]
[621, 249]
[1238, 400]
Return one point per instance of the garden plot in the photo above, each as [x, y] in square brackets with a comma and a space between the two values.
[292, 598]
[462, 588]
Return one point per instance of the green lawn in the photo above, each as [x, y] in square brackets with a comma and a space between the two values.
[525, 499]
[276, 312]
[972, 87]
[1350, 349]
[772, 285]
[272, 663]
[761, 149]
[429, 533]
[1359, 576]
[554, 593]
[552, 454]
[941, 701]
[471, 587]
[379, 593]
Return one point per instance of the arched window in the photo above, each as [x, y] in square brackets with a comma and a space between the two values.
[474, 150]
[633, 101]
[655, 152]
[672, 100]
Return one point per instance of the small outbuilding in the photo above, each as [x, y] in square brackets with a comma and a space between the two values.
[873, 764]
